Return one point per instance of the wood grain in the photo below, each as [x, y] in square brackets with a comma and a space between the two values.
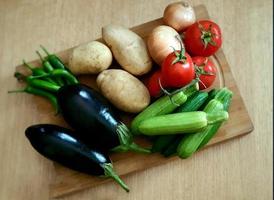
[240, 169]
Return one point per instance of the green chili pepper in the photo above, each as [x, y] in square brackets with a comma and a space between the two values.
[38, 83]
[64, 74]
[32, 90]
[49, 68]
[35, 81]
[54, 60]
[38, 72]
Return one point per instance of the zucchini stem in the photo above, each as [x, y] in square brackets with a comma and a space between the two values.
[216, 117]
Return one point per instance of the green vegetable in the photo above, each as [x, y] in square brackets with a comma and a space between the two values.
[43, 81]
[48, 67]
[193, 103]
[211, 95]
[178, 123]
[214, 127]
[192, 142]
[162, 142]
[64, 74]
[38, 83]
[38, 72]
[172, 149]
[54, 60]
[39, 92]
[163, 105]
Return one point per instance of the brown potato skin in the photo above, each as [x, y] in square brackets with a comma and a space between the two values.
[128, 48]
[90, 58]
[123, 90]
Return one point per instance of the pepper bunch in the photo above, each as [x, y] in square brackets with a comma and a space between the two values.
[46, 80]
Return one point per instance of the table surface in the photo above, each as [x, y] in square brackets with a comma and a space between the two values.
[238, 169]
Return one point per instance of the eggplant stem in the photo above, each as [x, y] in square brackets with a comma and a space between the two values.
[136, 148]
[126, 141]
[109, 172]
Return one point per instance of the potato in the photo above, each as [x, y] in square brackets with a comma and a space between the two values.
[123, 90]
[91, 58]
[128, 48]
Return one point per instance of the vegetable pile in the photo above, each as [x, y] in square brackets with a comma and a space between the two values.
[177, 107]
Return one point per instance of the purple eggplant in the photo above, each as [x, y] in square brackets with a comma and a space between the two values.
[63, 146]
[89, 113]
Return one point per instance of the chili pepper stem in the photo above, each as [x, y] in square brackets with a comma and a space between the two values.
[40, 56]
[17, 91]
[44, 49]
[27, 65]
[109, 172]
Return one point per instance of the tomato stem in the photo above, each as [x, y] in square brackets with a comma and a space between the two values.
[180, 57]
[206, 35]
[167, 93]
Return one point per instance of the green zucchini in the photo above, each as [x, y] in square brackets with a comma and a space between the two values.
[215, 127]
[171, 150]
[178, 123]
[193, 103]
[192, 142]
[211, 94]
[162, 106]
[162, 142]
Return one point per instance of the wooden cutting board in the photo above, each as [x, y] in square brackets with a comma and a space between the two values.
[67, 181]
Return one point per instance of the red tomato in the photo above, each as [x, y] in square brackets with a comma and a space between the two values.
[206, 71]
[180, 73]
[203, 38]
[153, 84]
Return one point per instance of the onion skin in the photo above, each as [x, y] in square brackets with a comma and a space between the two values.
[179, 16]
[160, 43]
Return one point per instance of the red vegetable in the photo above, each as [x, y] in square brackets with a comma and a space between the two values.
[153, 84]
[203, 38]
[178, 69]
[205, 70]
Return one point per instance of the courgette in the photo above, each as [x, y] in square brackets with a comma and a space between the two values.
[171, 150]
[163, 142]
[163, 105]
[211, 95]
[178, 123]
[193, 103]
[192, 142]
[215, 127]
